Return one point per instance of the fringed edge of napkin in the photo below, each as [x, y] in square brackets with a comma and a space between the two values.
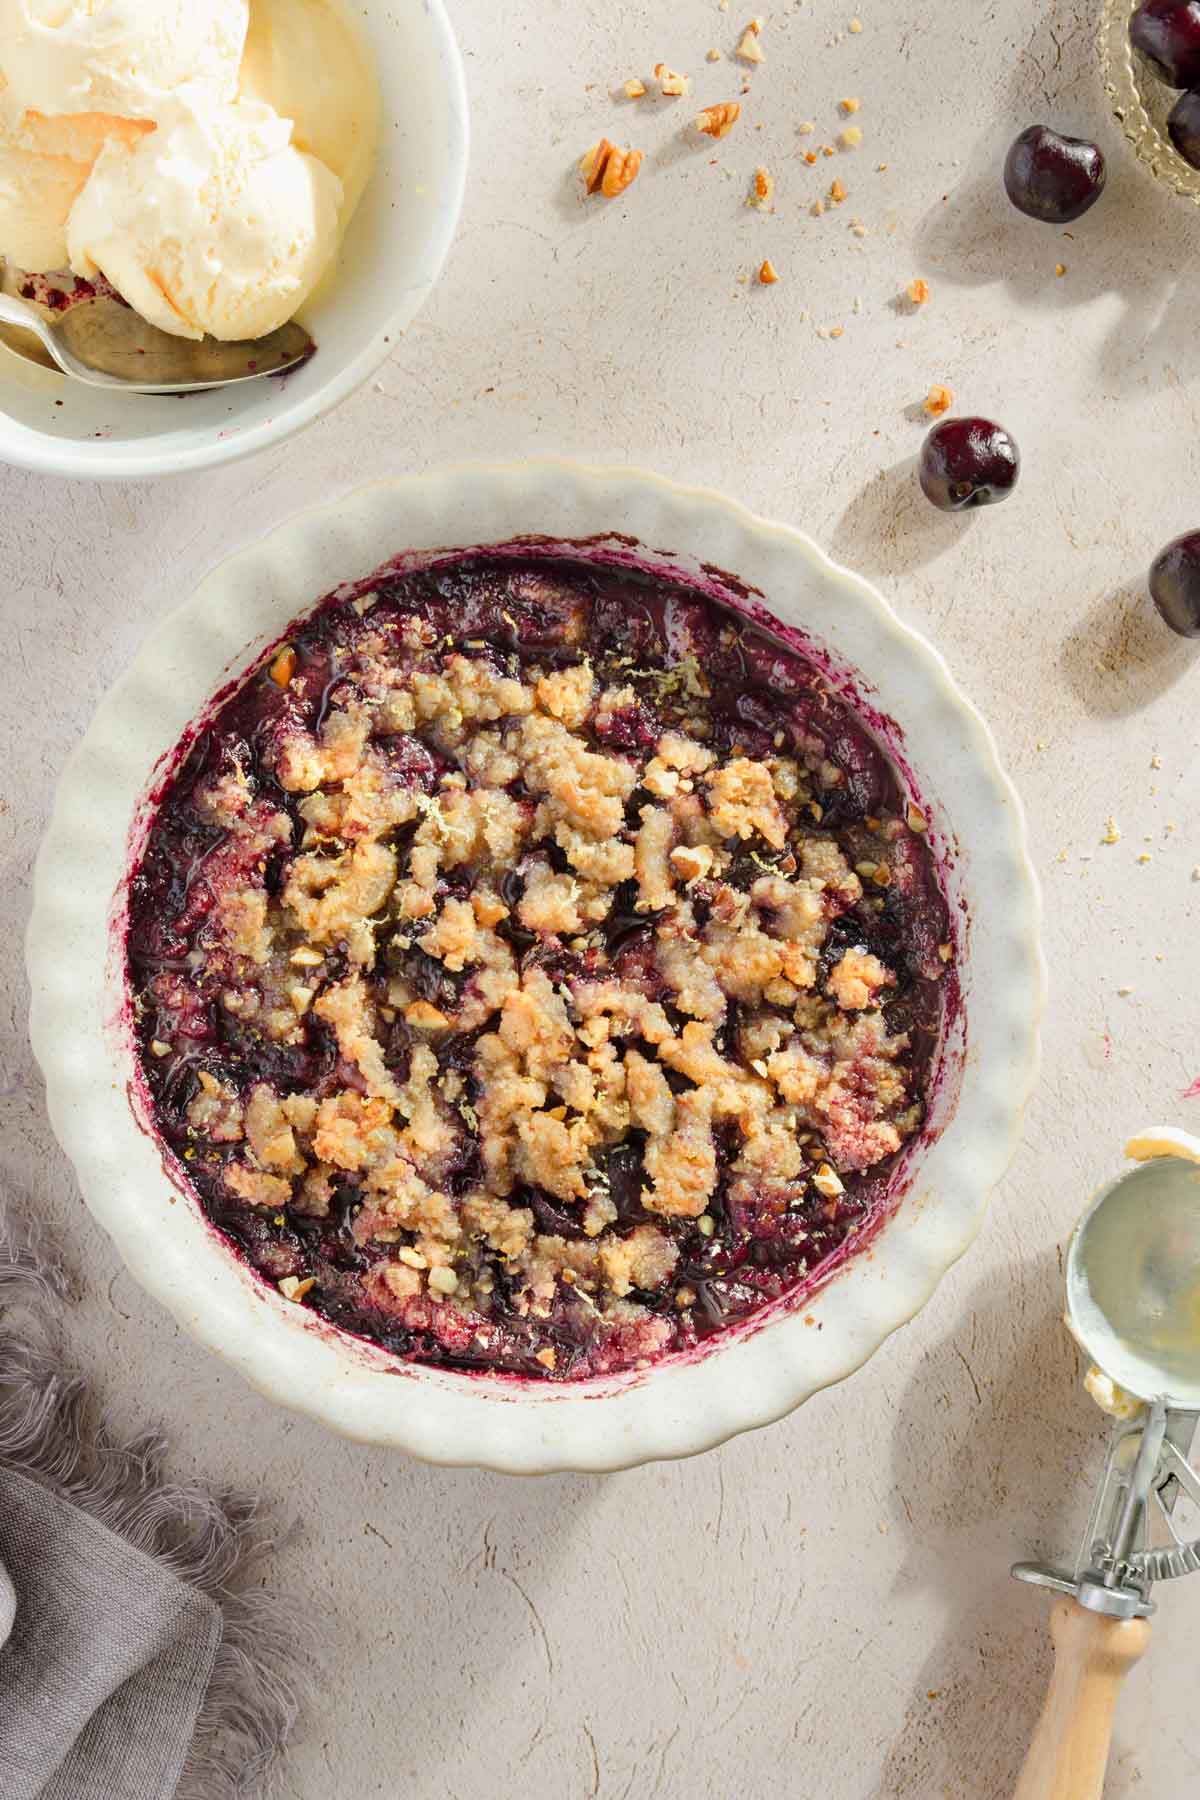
[213, 1541]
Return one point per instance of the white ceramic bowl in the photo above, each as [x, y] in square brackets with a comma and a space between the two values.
[392, 255]
[677, 1407]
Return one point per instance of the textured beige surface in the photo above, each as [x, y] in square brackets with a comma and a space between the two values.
[823, 1610]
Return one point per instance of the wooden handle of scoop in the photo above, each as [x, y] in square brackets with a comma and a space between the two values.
[1092, 1656]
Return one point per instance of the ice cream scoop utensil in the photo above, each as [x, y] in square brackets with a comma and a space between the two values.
[1133, 1302]
[104, 343]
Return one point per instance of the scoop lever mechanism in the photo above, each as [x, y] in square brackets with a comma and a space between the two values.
[1146, 1472]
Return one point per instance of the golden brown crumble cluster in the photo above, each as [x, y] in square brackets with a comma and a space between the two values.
[558, 1075]
[398, 926]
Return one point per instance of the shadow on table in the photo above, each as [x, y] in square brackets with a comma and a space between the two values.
[1127, 245]
[1119, 656]
[1014, 1481]
[889, 528]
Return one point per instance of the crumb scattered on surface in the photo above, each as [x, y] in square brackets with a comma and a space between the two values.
[918, 291]
[750, 50]
[1124, 992]
[837, 193]
[670, 82]
[856, 26]
[851, 138]
[1112, 832]
[939, 400]
[713, 56]
[1060, 270]
[849, 106]
[762, 192]
[806, 127]
[766, 273]
[634, 89]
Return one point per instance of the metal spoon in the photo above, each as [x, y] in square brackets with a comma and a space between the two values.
[103, 342]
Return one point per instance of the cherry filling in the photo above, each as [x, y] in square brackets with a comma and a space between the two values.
[537, 968]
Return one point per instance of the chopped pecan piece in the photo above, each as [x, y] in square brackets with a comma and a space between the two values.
[608, 170]
[718, 121]
[283, 666]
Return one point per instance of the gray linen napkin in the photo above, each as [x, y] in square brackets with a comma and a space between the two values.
[134, 1663]
[105, 1671]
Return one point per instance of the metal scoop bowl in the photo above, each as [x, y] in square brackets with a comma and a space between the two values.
[1133, 1274]
[1133, 1303]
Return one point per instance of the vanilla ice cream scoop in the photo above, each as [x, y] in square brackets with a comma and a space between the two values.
[119, 57]
[36, 197]
[213, 224]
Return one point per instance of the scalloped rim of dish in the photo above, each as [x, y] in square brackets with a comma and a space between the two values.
[1119, 65]
[682, 1405]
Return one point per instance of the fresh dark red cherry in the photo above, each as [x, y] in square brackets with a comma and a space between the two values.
[1175, 584]
[1051, 177]
[1167, 32]
[1184, 127]
[968, 462]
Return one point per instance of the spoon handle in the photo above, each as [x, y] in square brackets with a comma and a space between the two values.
[1092, 1656]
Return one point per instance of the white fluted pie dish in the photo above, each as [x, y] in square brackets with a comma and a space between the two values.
[746, 1376]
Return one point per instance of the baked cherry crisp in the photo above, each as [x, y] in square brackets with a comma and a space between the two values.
[537, 967]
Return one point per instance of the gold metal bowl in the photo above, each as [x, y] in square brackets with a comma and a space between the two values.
[1141, 102]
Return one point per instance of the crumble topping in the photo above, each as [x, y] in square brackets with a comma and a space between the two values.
[537, 968]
